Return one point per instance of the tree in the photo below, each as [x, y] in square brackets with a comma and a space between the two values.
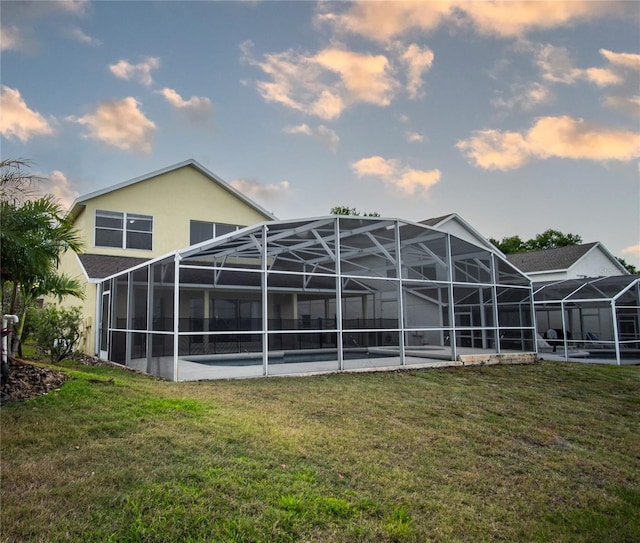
[34, 234]
[352, 211]
[513, 244]
[549, 239]
[629, 267]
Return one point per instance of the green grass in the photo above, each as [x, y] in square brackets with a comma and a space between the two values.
[548, 452]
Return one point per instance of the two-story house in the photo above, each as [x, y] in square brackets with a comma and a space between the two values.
[143, 218]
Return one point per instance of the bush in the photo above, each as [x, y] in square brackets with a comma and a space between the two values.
[58, 331]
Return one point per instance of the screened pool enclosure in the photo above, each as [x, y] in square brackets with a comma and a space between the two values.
[316, 295]
[599, 316]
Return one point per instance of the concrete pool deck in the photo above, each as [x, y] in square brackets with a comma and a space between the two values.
[435, 358]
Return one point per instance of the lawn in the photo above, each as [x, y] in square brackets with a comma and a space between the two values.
[546, 452]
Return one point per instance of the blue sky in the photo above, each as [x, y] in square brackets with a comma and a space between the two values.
[519, 116]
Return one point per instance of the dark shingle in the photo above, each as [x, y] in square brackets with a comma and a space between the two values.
[101, 266]
[435, 220]
[560, 258]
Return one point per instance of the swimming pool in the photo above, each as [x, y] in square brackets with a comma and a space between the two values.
[287, 357]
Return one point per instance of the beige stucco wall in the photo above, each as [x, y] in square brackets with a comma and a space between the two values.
[70, 265]
[173, 199]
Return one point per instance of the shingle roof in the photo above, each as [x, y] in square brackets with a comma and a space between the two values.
[435, 220]
[560, 258]
[101, 266]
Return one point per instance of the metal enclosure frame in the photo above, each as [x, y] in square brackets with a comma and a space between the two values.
[314, 295]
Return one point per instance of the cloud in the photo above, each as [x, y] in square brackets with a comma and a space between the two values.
[382, 21]
[418, 60]
[396, 176]
[24, 21]
[495, 150]
[140, 72]
[365, 77]
[558, 137]
[121, 124]
[626, 104]
[78, 35]
[257, 190]
[298, 129]
[632, 250]
[630, 61]
[197, 108]
[524, 97]
[325, 83]
[557, 67]
[517, 18]
[323, 134]
[59, 186]
[413, 137]
[10, 38]
[17, 120]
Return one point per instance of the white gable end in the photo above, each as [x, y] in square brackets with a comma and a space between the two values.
[596, 263]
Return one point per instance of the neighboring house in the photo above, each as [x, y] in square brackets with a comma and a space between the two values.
[571, 262]
[456, 225]
[129, 223]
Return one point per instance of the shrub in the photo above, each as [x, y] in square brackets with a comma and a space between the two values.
[58, 331]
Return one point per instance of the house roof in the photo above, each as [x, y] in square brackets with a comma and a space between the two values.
[560, 258]
[434, 221]
[101, 266]
[438, 222]
[80, 202]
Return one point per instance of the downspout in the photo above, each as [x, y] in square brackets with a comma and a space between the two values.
[5, 343]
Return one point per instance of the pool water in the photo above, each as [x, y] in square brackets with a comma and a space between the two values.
[287, 358]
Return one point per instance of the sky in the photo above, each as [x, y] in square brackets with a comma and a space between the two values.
[518, 116]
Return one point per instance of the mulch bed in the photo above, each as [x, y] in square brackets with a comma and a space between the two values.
[28, 381]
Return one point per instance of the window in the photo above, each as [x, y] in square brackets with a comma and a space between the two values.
[202, 230]
[124, 230]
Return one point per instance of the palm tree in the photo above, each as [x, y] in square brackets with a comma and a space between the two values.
[34, 234]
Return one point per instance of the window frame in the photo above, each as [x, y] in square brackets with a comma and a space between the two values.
[125, 218]
[214, 229]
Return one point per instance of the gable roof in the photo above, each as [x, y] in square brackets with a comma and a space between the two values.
[79, 203]
[439, 222]
[101, 266]
[434, 221]
[558, 259]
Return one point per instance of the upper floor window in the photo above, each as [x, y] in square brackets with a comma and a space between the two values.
[202, 230]
[124, 230]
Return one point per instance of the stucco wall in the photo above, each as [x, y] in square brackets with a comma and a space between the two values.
[173, 199]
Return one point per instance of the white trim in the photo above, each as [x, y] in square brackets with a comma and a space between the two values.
[81, 201]
[125, 230]
[470, 228]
